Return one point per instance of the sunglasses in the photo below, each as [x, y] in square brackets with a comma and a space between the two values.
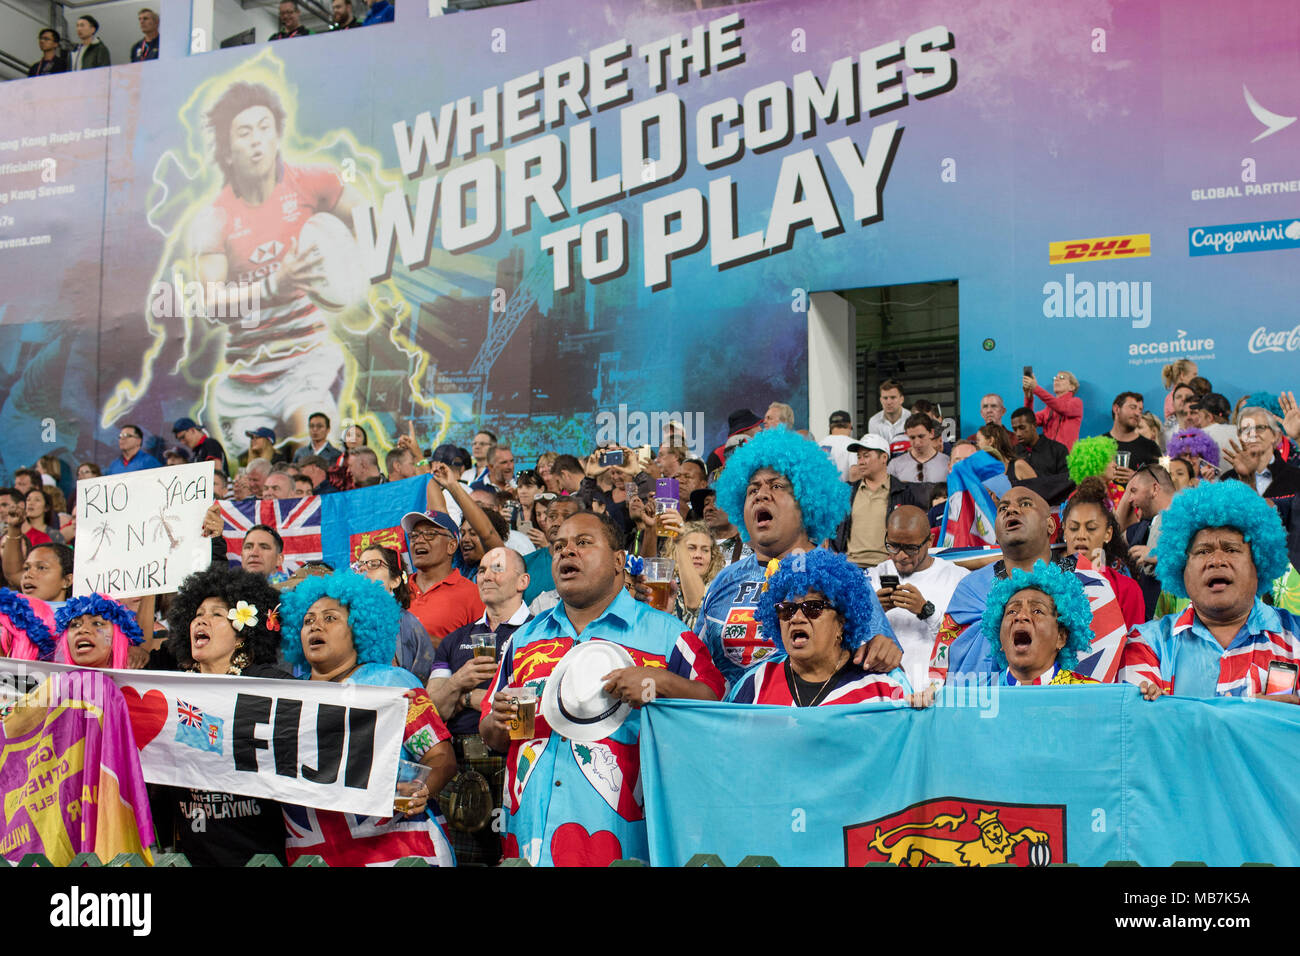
[546, 496]
[811, 609]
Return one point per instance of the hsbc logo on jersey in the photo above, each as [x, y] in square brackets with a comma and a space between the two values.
[266, 252]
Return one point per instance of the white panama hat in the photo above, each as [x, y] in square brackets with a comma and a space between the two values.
[574, 701]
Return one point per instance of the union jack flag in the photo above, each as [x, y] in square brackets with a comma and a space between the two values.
[1102, 662]
[1152, 652]
[298, 520]
[346, 839]
[188, 714]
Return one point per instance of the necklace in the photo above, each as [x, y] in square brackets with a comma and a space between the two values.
[338, 678]
[794, 680]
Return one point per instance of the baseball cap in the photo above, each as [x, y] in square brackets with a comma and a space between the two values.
[870, 443]
[1214, 403]
[840, 418]
[439, 518]
[262, 432]
[699, 497]
[184, 425]
[450, 454]
[742, 419]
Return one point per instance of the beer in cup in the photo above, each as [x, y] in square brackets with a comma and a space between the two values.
[659, 578]
[484, 645]
[522, 723]
[410, 779]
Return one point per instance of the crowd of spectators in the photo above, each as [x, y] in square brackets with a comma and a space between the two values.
[801, 572]
[89, 51]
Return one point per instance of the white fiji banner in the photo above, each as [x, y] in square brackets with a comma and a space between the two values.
[312, 743]
[141, 532]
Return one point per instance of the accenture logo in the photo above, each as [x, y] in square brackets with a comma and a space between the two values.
[1262, 340]
[1160, 352]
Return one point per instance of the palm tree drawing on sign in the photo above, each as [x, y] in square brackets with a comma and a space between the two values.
[102, 533]
[162, 525]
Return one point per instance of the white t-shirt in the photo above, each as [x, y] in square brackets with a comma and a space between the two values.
[520, 542]
[837, 446]
[889, 431]
[936, 583]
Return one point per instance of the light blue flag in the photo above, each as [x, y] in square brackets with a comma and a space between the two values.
[354, 520]
[1022, 775]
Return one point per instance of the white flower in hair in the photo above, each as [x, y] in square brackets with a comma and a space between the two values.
[242, 614]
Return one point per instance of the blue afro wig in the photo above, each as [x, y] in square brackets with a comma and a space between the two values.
[831, 574]
[18, 610]
[822, 497]
[1224, 504]
[106, 608]
[1072, 610]
[1265, 400]
[373, 615]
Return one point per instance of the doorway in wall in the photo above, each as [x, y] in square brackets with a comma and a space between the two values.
[908, 333]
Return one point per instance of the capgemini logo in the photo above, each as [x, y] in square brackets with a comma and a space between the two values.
[1262, 340]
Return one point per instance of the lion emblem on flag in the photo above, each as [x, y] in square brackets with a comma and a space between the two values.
[961, 833]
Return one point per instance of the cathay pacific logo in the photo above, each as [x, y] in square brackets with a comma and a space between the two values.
[1098, 300]
[1243, 237]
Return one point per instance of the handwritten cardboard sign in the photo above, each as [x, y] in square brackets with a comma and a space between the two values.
[141, 532]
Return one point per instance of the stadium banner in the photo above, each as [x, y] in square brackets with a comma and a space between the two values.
[585, 209]
[141, 532]
[1026, 775]
[310, 743]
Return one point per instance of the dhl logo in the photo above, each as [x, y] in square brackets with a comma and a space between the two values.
[1074, 251]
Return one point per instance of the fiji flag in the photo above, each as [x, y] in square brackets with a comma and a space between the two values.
[355, 520]
[970, 511]
[196, 729]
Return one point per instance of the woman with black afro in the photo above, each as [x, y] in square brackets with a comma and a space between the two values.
[224, 620]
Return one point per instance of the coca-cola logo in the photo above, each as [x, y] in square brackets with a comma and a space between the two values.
[1262, 340]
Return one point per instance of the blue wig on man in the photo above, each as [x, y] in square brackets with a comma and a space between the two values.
[1225, 504]
[1073, 612]
[373, 615]
[822, 497]
[830, 574]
